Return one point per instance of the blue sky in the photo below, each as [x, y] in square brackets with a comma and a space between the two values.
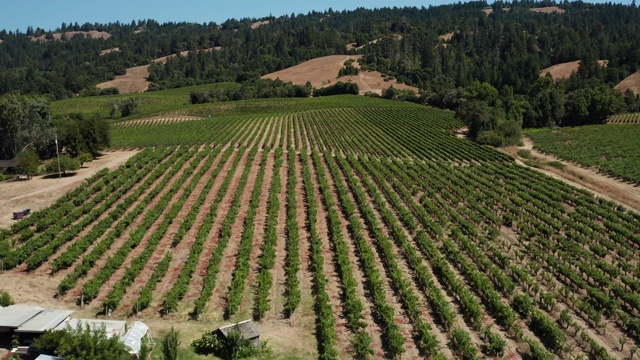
[49, 14]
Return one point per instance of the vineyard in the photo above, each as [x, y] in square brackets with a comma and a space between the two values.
[393, 236]
[613, 150]
[627, 118]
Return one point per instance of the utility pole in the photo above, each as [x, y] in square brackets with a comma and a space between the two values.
[58, 153]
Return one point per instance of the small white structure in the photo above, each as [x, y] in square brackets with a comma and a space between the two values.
[11, 317]
[45, 320]
[111, 327]
[132, 340]
[48, 357]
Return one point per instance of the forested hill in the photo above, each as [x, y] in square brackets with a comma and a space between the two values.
[505, 44]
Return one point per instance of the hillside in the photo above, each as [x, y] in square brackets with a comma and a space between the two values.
[136, 79]
[632, 82]
[501, 48]
[564, 70]
[323, 71]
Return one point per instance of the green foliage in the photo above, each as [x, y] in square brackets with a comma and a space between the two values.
[525, 154]
[67, 164]
[170, 344]
[348, 69]
[338, 88]
[78, 135]
[81, 343]
[5, 298]
[234, 346]
[251, 89]
[606, 147]
[27, 162]
[84, 158]
[24, 121]
[592, 105]
[488, 125]
[123, 108]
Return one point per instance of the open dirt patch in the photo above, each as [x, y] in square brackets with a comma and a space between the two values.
[107, 51]
[257, 24]
[353, 46]
[548, 10]
[598, 184]
[564, 70]
[323, 71]
[39, 193]
[135, 79]
[630, 82]
[93, 34]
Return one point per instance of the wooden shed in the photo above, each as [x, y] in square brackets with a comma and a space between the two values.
[247, 329]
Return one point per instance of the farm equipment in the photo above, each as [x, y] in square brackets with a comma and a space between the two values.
[17, 215]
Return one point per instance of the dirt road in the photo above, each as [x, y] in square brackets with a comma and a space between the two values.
[40, 192]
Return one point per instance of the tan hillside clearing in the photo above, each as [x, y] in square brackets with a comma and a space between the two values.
[631, 82]
[39, 193]
[93, 34]
[564, 70]
[548, 10]
[135, 80]
[257, 24]
[322, 72]
[446, 37]
[107, 51]
[352, 46]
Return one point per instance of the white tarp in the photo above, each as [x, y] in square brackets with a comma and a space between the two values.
[132, 340]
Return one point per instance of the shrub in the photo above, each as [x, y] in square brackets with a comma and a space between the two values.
[170, 344]
[27, 162]
[67, 164]
[526, 154]
[5, 299]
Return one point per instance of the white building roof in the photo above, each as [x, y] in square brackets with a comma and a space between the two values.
[45, 320]
[16, 315]
[48, 357]
[132, 340]
[112, 327]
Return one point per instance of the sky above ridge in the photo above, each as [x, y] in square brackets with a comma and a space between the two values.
[50, 14]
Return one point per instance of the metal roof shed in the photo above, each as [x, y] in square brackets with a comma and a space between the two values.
[112, 327]
[48, 357]
[45, 320]
[247, 329]
[15, 315]
[132, 340]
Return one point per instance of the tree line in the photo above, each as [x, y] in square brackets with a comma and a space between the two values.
[29, 134]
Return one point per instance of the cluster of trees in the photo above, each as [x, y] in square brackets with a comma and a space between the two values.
[348, 69]
[252, 89]
[29, 134]
[338, 88]
[505, 47]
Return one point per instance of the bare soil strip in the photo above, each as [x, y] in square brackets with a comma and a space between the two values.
[163, 245]
[40, 192]
[216, 306]
[334, 287]
[198, 276]
[122, 239]
[277, 289]
[46, 267]
[372, 328]
[181, 251]
[258, 237]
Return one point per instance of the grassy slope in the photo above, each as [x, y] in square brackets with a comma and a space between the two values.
[613, 149]
[150, 103]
